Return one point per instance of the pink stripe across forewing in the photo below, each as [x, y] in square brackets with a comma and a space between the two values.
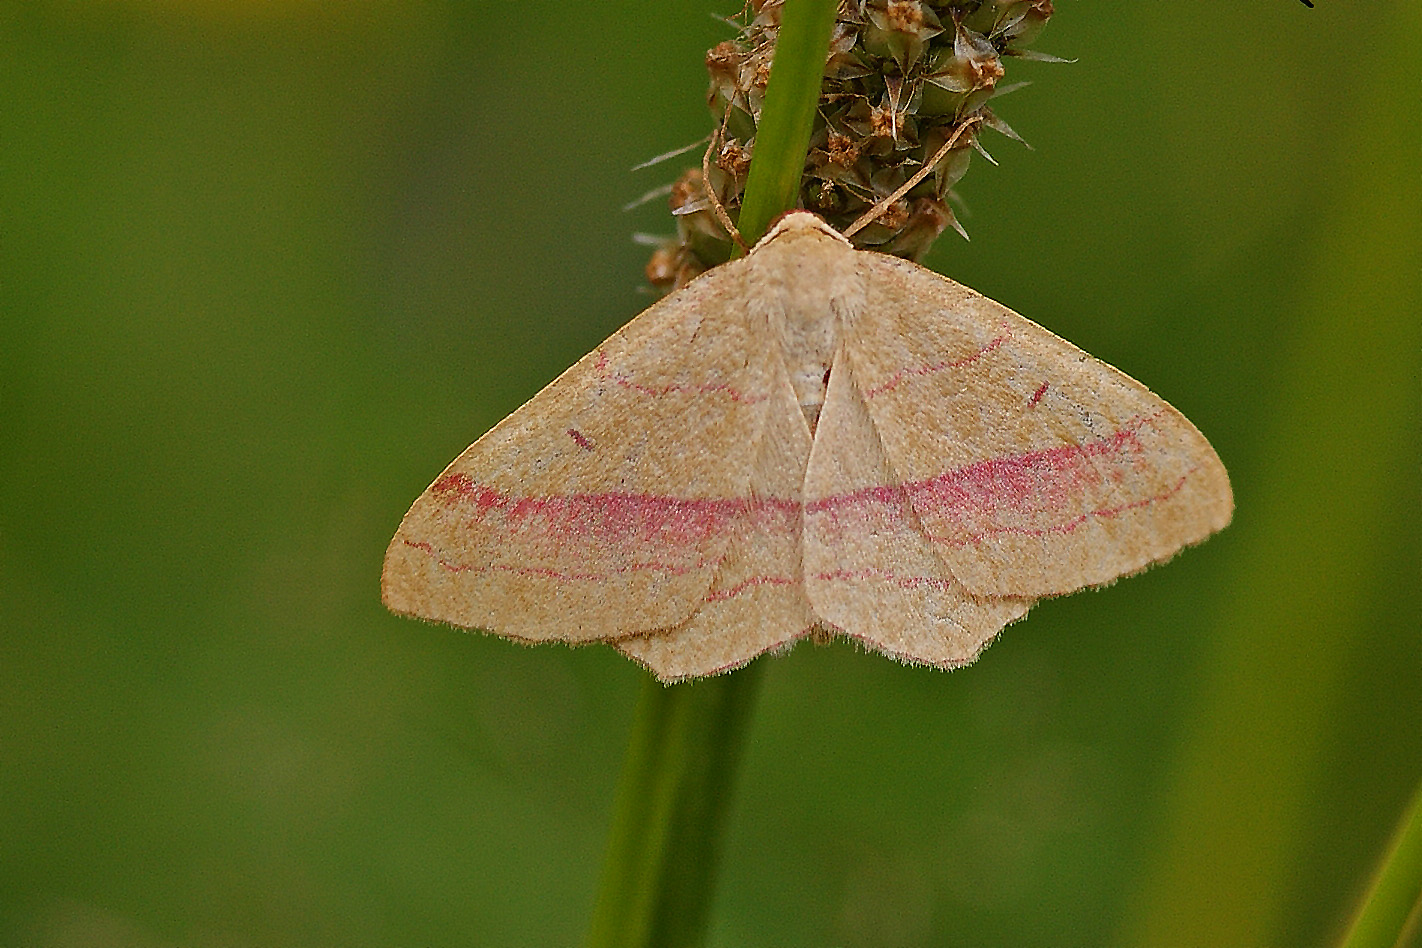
[630, 519]
[1039, 492]
[746, 585]
[1035, 493]
[595, 537]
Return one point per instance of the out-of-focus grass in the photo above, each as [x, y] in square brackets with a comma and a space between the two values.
[1390, 913]
[1339, 448]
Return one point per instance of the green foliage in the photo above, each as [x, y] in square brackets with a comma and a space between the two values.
[1395, 895]
[267, 267]
[1350, 386]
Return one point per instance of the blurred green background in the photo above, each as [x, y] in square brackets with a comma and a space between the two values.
[267, 266]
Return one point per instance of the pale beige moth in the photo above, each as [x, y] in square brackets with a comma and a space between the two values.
[811, 439]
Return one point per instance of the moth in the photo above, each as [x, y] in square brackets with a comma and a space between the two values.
[811, 439]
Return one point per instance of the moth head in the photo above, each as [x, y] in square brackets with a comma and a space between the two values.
[799, 223]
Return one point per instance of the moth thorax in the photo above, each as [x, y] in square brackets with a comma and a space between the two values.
[806, 295]
[808, 341]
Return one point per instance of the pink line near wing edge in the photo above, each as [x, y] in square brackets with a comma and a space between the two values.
[562, 575]
[715, 595]
[707, 388]
[1070, 526]
[898, 377]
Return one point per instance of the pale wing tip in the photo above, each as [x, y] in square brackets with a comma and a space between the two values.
[1214, 501]
[395, 582]
[672, 673]
[959, 652]
[1224, 493]
[672, 666]
[1215, 511]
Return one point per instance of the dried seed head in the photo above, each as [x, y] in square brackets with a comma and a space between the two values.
[841, 149]
[662, 267]
[1018, 22]
[900, 30]
[723, 65]
[901, 77]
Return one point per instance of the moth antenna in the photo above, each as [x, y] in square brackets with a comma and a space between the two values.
[717, 137]
[873, 214]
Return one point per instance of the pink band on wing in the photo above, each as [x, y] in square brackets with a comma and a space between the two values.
[1033, 493]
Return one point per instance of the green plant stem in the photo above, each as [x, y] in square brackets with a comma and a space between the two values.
[1396, 890]
[686, 741]
[676, 783]
[783, 136]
